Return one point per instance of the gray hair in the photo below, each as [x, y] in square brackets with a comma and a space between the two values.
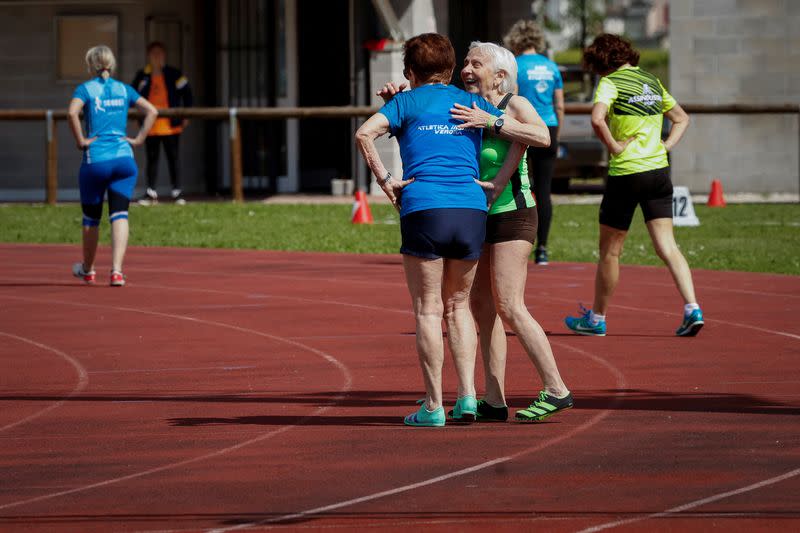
[100, 60]
[502, 59]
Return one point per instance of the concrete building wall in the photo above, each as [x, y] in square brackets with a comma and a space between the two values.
[737, 51]
[28, 80]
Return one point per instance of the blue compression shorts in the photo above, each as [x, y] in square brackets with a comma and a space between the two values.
[118, 177]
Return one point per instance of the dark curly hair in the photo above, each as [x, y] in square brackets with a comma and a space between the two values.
[607, 53]
[431, 56]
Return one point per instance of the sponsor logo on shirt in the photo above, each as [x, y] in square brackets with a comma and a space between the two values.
[442, 129]
[541, 86]
[540, 72]
[648, 97]
[100, 105]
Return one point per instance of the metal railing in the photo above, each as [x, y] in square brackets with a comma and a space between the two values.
[235, 114]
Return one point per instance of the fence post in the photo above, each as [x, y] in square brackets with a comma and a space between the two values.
[236, 156]
[51, 165]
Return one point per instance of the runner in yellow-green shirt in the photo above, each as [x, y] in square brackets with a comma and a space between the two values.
[627, 116]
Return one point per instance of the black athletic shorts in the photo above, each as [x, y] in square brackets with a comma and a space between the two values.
[452, 233]
[651, 189]
[517, 225]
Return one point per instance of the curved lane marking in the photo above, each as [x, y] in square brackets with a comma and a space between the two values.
[348, 380]
[620, 383]
[83, 378]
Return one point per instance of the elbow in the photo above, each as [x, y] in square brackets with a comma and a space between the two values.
[597, 122]
[362, 137]
[545, 140]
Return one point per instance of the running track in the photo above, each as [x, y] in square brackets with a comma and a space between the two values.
[223, 390]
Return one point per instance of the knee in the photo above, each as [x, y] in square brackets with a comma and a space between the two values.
[509, 308]
[455, 304]
[429, 310]
[668, 253]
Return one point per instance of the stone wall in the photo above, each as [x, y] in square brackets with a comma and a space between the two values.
[737, 51]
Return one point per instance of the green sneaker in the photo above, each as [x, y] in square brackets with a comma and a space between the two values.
[425, 418]
[490, 413]
[543, 407]
[465, 410]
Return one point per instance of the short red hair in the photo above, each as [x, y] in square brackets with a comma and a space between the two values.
[607, 53]
[431, 56]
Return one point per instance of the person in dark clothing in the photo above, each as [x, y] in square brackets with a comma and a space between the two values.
[165, 87]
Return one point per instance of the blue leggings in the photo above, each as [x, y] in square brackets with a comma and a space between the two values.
[118, 177]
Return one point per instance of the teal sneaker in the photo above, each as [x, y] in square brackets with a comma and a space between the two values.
[425, 418]
[543, 407]
[691, 325]
[582, 325]
[466, 409]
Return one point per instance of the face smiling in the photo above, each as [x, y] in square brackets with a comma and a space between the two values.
[478, 74]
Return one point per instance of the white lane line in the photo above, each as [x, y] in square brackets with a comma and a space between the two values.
[226, 368]
[83, 379]
[620, 384]
[348, 380]
[696, 503]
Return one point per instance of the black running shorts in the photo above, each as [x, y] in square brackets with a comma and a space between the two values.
[517, 225]
[452, 233]
[651, 189]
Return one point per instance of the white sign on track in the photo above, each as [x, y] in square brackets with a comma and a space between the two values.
[682, 208]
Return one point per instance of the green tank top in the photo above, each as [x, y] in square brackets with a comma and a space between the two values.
[517, 194]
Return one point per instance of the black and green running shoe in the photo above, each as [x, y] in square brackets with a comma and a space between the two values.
[543, 407]
[490, 413]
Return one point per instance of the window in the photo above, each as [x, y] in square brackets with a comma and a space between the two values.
[75, 34]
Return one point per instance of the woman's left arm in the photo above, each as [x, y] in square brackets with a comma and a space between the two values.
[150, 115]
[521, 122]
[680, 122]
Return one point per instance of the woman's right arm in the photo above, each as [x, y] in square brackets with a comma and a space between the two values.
[376, 126]
[74, 119]
[680, 122]
[599, 114]
[150, 115]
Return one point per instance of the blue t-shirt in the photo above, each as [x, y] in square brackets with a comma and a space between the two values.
[105, 110]
[538, 78]
[442, 158]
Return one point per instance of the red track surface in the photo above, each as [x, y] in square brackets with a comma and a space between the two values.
[223, 388]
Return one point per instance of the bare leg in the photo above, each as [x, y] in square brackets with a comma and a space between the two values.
[607, 277]
[492, 333]
[667, 249]
[91, 234]
[461, 334]
[424, 279]
[119, 243]
[509, 274]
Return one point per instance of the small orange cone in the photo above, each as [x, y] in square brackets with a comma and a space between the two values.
[361, 212]
[715, 198]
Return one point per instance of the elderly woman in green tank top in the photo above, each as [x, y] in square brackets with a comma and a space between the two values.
[498, 293]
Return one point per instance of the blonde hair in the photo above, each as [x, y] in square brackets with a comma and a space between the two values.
[525, 34]
[100, 60]
[502, 60]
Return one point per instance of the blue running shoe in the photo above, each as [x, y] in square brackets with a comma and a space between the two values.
[425, 418]
[691, 325]
[582, 325]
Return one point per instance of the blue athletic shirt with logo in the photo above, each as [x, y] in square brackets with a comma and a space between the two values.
[442, 158]
[105, 110]
[538, 78]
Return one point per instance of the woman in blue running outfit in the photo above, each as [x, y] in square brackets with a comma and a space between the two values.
[442, 213]
[108, 164]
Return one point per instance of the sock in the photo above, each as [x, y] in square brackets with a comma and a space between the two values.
[688, 308]
[595, 319]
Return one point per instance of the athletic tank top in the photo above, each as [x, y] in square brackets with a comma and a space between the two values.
[517, 194]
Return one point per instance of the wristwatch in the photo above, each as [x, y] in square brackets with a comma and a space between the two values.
[498, 124]
[385, 180]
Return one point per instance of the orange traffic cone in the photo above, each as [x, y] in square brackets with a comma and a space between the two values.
[361, 212]
[715, 198]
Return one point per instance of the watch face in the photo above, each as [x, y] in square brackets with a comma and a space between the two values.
[498, 124]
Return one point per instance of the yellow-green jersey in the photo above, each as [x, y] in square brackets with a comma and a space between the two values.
[636, 103]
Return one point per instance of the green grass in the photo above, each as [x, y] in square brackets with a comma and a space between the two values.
[756, 238]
